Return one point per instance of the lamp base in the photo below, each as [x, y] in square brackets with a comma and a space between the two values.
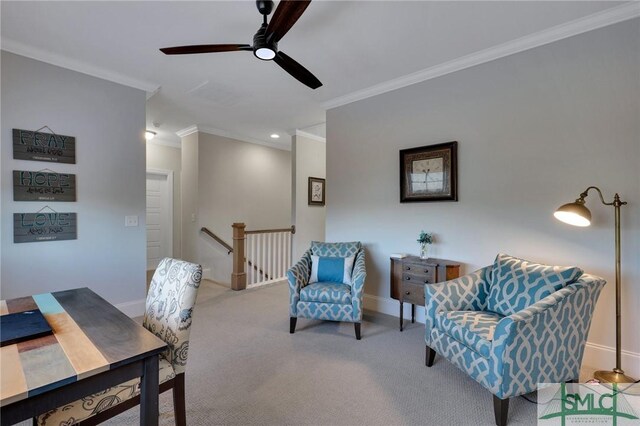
[615, 376]
[618, 377]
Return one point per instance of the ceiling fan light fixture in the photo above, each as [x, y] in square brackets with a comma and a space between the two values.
[264, 53]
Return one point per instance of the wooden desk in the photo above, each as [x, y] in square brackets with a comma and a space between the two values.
[94, 346]
[410, 274]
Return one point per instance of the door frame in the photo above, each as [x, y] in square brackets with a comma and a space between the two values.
[169, 175]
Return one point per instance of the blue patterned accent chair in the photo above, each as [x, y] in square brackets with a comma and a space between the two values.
[512, 325]
[327, 300]
[168, 314]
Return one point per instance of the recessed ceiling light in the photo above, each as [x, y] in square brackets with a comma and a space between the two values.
[148, 135]
[275, 136]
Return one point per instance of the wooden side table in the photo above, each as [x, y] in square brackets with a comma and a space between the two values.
[410, 274]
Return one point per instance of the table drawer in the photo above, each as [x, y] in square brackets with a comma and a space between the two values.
[408, 278]
[412, 293]
[418, 269]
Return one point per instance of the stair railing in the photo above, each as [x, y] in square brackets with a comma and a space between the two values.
[260, 256]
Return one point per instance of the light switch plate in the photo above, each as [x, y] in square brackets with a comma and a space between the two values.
[131, 221]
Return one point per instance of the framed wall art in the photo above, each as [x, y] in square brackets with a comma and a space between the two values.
[316, 191]
[429, 173]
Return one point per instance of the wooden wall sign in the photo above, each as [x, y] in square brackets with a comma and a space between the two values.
[42, 186]
[40, 146]
[36, 227]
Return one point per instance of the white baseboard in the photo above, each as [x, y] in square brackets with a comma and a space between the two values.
[604, 358]
[206, 274]
[132, 309]
[595, 355]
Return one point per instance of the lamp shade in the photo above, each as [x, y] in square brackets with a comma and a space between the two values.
[575, 214]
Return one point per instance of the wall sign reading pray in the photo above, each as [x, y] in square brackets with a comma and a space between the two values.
[40, 146]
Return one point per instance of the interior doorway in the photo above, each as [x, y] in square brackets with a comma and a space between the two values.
[159, 216]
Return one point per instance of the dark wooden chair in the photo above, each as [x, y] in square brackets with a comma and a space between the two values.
[169, 306]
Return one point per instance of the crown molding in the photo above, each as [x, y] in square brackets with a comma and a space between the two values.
[187, 131]
[78, 66]
[310, 136]
[231, 135]
[607, 17]
[164, 142]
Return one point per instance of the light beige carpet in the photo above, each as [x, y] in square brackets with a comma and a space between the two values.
[245, 368]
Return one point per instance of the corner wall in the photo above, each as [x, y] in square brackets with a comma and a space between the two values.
[225, 181]
[534, 130]
[308, 158]
[108, 121]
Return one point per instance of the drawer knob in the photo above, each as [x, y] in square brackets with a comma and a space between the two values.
[426, 271]
[426, 281]
[407, 293]
[408, 268]
[407, 278]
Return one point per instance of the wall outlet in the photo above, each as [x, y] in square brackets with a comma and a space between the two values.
[131, 221]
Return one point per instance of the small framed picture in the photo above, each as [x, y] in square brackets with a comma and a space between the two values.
[316, 191]
[429, 173]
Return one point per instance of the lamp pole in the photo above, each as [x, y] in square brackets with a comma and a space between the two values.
[618, 370]
[617, 374]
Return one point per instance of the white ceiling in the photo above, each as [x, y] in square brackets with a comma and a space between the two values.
[349, 45]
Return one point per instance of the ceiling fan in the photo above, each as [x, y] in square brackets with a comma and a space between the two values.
[265, 41]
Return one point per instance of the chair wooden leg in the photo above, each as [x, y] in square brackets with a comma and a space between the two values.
[357, 327]
[429, 356]
[179, 407]
[500, 410]
[292, 324]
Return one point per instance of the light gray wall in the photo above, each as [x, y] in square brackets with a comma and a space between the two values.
[169, 158]
[534, 130]
[308, 160]
[189, 196]
[108, 121]
[238, 182]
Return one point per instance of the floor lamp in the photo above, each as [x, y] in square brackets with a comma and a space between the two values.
[578, 215]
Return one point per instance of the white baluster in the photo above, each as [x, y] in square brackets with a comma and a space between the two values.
[271, 242]
[254, 249]
[262, 257]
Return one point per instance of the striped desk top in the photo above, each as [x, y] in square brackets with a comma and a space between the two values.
[90, 336]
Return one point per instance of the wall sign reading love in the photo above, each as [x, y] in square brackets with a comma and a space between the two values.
[42, 186]
[36, 227]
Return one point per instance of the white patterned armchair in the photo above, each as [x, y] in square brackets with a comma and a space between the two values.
[168, 314]
[332, 301]
[512, 325]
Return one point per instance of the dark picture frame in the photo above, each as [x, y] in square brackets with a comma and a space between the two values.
[429, 173]
[316, 191]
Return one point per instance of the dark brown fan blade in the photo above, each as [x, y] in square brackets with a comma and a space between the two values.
[204, 48]
[296, 70]
[286, 14]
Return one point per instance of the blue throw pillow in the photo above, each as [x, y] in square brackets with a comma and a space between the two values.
[331, 269]
[517, 284]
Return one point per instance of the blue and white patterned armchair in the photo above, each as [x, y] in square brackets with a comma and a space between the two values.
[327, 300]
[512, 325]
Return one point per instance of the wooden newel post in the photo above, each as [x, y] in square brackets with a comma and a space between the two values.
[238, 276]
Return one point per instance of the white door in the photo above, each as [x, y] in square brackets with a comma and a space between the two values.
[159, 217]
